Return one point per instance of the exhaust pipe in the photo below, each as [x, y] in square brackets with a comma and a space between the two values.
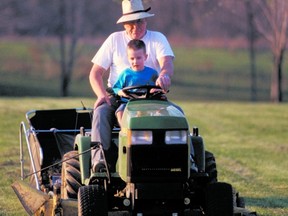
[30, 198]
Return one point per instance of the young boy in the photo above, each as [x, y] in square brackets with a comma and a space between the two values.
[137, 74]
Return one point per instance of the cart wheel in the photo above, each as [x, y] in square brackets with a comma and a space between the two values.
[92, 200]
[219, 199]
[71, 176]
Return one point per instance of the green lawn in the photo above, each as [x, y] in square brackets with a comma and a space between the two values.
[249, 140]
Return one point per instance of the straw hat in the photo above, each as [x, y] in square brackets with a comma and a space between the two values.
[133, 10]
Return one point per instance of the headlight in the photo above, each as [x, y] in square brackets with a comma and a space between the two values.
[176, 137]
[141, 137]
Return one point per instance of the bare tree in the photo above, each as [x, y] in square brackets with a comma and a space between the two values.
[271, 22]
[69, 29]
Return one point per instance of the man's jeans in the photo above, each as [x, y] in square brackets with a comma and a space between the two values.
[102, 125]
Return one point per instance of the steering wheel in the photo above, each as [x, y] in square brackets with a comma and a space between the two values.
[142, 91]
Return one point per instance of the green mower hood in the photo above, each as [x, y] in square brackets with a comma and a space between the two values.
[153, 114]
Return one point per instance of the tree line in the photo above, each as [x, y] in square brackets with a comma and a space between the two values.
[194, 18]
[69, 20]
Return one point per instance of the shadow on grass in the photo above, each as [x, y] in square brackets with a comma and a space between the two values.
[268, 202]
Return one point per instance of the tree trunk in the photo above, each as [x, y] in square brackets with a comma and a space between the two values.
[276, 78]
[251, 38]
[62, 35]
[64, 85]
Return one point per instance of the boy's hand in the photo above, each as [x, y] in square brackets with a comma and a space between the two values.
[155, 90]
[122, 94]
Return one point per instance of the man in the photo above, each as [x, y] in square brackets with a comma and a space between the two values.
[112, 56]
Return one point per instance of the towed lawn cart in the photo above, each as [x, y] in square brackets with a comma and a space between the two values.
[160, 168]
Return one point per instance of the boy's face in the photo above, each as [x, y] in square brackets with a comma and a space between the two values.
[136, 59]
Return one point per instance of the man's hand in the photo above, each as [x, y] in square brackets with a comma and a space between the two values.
[164, 82]
[101, 100]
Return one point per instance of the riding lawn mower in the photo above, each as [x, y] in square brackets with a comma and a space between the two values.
[160, 166]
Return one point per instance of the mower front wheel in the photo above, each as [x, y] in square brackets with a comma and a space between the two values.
[219, 199]
[92, 200]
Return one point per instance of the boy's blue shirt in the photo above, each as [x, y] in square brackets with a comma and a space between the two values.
[129, 77]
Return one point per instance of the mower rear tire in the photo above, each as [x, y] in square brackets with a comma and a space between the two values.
[210, 167]
[71, 176]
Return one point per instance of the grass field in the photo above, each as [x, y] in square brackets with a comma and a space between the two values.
[249, 141]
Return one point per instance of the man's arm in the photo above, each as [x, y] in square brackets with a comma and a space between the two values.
[166, 73]
[96, 82]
